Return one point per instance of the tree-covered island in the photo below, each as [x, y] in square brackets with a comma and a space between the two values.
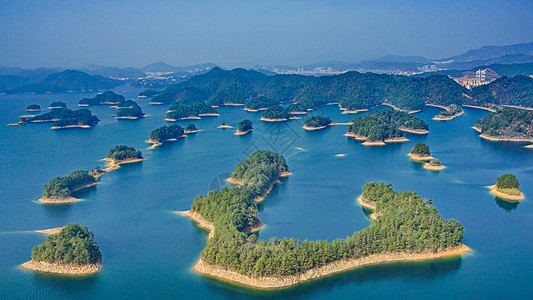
[191, 128]
[190, 111]
[105, 98]
[33, 107]
[60, 189]
[506, 124]
[130, 113]
[123, 154]
[507, 187]
[64, 118]
[57, 104]
[275, 114]
[164, 134]
[406, 228]
[316, 122]
[420, 152]
[72, 251]
[385, 126]
[244, 127]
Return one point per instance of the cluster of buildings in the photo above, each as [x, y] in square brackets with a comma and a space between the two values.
[471, 79]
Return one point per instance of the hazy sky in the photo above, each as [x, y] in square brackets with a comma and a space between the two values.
[245, 33]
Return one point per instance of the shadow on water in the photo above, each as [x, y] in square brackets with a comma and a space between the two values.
[506, 205]
[407, 271]
[71, 285]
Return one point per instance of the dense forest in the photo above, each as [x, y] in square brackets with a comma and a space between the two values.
[126, 103]
[385, 124]
[165, 133]
[245, 125]
[262, 102]
[108, 97]
[228, 95]
[317, 121]
[517, 91]
[63, 186]
[65, 116]
[507, 123]
[123, 152]
[421, 149]
[406, 223]
[74, 244]
[178, 111]
[276, 112]
[134, 111]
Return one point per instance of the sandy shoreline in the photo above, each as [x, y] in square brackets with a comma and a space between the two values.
[70, 126]
[399, 109]
[355, 136]
[447, 118]
[479, 107]
[397, 140]
[496, 192]
[272, 120]
[130, 118]
[298, 112]
[243, 132]
[374, 143]
[314, 128]
[419, 158]
[262, 197]
[209, 115]
[429, 166]
[49, 231]
[156, 144]
[156, 103]
[62, 269]
[415, 131]
[33, 109]
[114, 164]
[225, 126]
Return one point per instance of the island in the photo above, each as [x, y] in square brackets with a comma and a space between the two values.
[506, 124]
[105, 98]
[385, 126]
[164, 134]
[57, 104]
[191, 128]
[179, 111]
[275, 114]
[120, 155]
[130, 113]
[72, 251]
[148, 93]
[33, 107]
[261, 103]
[233, 254]
[420, 152]
[317, 122]
[507, 187]
[224, 126]
[449, 112]
[125, 104]
[59, 190]
[434, 165]
[244, 127]
[64, 118]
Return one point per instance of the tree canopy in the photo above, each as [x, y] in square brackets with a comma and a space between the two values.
[165, 133]
[63, 186]
[507, 181]
[123, 152]
[507, 123]
[317, 121]
[245, 125]
[420, 149]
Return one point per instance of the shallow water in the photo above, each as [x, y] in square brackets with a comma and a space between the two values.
[148, 251]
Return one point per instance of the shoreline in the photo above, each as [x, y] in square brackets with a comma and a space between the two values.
[262, 197]
[496, 192]
[497, 139]
[355, 136]
[374, 143]
[70, 126]
[399, 109]
[243, 132]
[479, 107]
[314, 128]
[272, 120]
[50, 231]
[233, 104]
[62, 269]
[66, 200]
[209, 115]
[397, 140]
[417, 157]
[156, 144]
[415, 131]
[430, 167]
[115, 164]
[131, 118]
[224, 126]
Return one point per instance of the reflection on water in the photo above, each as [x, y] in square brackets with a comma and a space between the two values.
[506, 205]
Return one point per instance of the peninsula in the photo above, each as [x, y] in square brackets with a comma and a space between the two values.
[170, 133]
[449, 112]
[232, 254]
[507, 187]
[506, 124]
[71, 251]
[244, 127]
[317, 122]
[59, 190]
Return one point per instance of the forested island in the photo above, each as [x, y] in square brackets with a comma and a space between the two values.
[190, 111]
[507, 187]
[64, 118]
[275, 114]
[420, 152]
[449, 113]
[33, 107]
[506, 124]
[244, 127]
[72, 251]
[167, 134]
[317, 122]
[57, 104]
[133, 112]
[385, 126]
[108, 98]
[191, 128]
[261, 103]
[125, 104]
[122, 154]
[414, 232]
[59, 190]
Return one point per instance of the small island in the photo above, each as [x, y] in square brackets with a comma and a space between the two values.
[244, 127]
[275, 114]
[224, 126]
[420, 152]
[120, 155]
[57, 104]
[507, 187]
[59, 190]
[130, 113]
[385, 126]
[317, 122]
[449, 113]
[33, 107]
[64, 118]
[191, 128]
[72, 251]
[105, 98]
[434, 165]
[506, 124]
[178, 111]
[235, 255]
[261, 103]
[164, 134]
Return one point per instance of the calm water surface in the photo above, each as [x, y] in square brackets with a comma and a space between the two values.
[148, 251]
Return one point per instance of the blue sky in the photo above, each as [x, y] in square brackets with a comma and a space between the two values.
[245, 33]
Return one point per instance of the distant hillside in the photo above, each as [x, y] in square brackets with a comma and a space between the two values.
[68, 80]
[491, 52]
[114, 72]
[165, 68]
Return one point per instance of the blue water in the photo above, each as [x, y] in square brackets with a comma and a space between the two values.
[148, 251]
